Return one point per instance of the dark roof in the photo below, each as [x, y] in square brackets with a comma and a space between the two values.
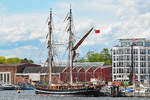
[58, 69]
[11, 65]
[35, 70]
[21, 67]
[42, 69]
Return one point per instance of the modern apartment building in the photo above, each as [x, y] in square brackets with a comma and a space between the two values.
[130, 52]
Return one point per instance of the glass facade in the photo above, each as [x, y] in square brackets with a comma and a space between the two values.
[122, 58]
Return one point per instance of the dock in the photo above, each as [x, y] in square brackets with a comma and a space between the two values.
[133, 94]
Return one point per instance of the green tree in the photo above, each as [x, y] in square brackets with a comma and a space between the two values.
[13, 60]
[107, 56]
[2, 60]
[104, 56]
[30, 61]
[82, 60]
[25, 60]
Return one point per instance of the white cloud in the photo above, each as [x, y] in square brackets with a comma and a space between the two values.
[132, 21]
[21, 27]
[24, 51]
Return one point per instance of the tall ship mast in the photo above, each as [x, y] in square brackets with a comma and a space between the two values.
[50, 50]
[76, 89]
[70, 44]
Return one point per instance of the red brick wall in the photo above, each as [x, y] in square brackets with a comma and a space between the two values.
[11, 69]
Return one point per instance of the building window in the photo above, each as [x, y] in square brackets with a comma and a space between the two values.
[123, 43]
[143, 71]
[142, 51]
[135, 51]
[147, 44]
[135, 64]
[135, 58]
[114, 52]
[139, 43]
[114, 65]
[128, 51]
[121, 58]
[148, 70]
[143, 58]
[136, 70]
[8, 77]
[148, 58]
[128, 71]
[1, 78]
[117, 58]
[4, 77]
[143, 64]
[148, 51]
[114, 76]
[128, 64]
[128, 57]
[148, 64]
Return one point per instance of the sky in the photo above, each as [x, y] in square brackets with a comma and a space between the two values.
[23, 25]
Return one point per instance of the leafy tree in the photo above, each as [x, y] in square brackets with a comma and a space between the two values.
[94, 57]
[2, 60]
[107, 57]
[31, 61]
[82, 60]
[25, 60]
[104, 56]
[13, 60]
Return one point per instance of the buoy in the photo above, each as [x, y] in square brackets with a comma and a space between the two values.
[18, 91]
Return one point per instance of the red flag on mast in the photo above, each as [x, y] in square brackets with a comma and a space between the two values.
[97, 31]
[133, 39]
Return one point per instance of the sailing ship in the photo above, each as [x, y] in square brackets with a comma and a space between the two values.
[73, 89]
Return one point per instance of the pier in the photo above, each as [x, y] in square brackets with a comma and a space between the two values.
[146, 94]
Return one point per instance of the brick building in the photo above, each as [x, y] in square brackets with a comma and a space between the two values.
[7, 73]
[15, 73]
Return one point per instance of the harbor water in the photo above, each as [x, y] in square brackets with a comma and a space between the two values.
[30, 95]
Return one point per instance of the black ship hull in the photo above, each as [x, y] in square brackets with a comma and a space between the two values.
[72, 92]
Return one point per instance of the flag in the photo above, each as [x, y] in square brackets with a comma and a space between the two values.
[97, 31]
[133, 39]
